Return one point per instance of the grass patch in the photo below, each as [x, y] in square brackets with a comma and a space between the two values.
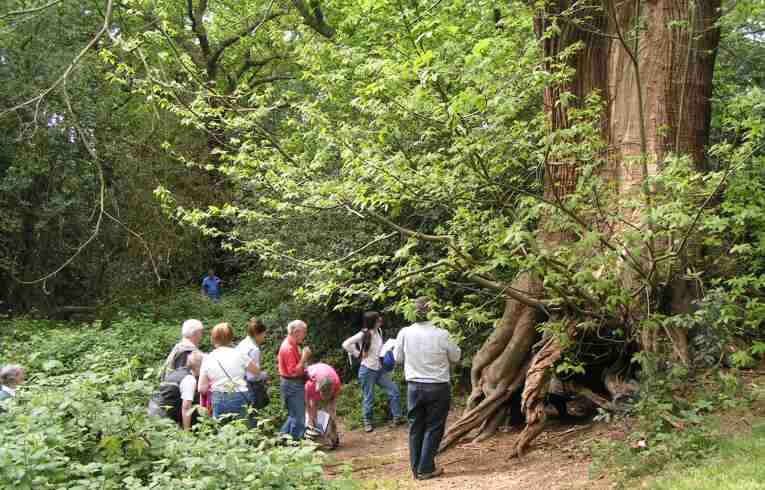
[737, 465]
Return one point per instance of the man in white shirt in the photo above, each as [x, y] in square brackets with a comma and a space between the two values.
[427, 353]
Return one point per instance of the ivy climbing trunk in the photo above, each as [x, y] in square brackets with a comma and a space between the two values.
[652, 63]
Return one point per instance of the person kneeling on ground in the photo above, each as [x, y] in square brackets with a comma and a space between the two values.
[191, 336]
[323, 386]
[223, 372]
[177, 393]
[427, 353]
[11, 376]
[367, 345]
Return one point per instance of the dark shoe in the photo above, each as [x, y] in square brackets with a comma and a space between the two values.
[400, 421]
[433, 474]
[368, 427]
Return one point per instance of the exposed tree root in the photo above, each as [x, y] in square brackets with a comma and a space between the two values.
[491, 426]
[499, 367]
[477, 416]
[535, 391]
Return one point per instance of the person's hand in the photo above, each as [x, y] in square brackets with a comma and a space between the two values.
[306, 353]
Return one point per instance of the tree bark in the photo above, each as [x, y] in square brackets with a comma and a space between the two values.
[655, 78]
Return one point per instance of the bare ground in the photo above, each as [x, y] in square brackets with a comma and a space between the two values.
[556, 461]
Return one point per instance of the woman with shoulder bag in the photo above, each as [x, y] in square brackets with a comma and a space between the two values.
[250, 345]
[367, 346]
[223, 371]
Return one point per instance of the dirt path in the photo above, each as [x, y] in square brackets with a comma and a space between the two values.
[380, 459]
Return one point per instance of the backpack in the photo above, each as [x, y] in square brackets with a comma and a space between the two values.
[387, 361]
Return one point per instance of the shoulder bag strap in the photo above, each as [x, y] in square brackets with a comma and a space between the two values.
[230, 379]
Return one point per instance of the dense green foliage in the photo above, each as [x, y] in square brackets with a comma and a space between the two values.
[332, 157]
[81, 421]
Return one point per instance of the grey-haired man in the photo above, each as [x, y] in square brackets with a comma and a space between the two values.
[427, 353]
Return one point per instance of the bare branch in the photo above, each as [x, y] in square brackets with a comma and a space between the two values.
[16, 13]
[143, 242]
[39, 98]
[373, 242]
[102, 197]
[405, 231]
[427, 268]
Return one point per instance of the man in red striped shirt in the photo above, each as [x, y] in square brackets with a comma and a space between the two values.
[292, 371]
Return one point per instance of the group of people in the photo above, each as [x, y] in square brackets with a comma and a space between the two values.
[230, 380]
[427, 353]
[231, 383]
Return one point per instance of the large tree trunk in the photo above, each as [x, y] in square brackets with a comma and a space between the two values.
[656, 82]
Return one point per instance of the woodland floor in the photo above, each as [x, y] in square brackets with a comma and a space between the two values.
[558, 460]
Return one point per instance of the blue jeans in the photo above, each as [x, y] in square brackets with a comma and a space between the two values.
[368, 379]
[428, 405]
[293, 395]
[230, 406]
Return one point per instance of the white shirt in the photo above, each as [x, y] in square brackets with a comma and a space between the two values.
[188, 388]
[235, 364]
[427, 353]
[250, 348]
[9, 390]
[372, 359]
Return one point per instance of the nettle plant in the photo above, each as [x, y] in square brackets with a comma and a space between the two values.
[91, 430]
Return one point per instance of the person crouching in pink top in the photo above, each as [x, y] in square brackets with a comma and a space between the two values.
[323, 386]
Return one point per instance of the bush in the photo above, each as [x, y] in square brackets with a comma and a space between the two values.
[91, 430]
[81, 422]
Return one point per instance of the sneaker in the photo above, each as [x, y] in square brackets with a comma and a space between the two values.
[368, 427]
[433, 474]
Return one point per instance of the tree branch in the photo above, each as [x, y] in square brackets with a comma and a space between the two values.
[314, 20]
[31, 10]
[212, 62]
[429, 267]
[196, 16]
[37, 100]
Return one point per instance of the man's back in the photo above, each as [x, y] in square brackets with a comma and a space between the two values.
[427, 353]
[211, 285]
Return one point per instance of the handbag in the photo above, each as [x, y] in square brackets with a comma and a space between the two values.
[260, 398]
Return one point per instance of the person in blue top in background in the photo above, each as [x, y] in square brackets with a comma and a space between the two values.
[211, 286]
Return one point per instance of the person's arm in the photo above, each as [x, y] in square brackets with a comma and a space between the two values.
[332, 407]
[186, 408]
[188, 387]
[204, 383]
[453, 352]
[350, 344]
[252, 367]
[398, 351]
[300, 368]
[312, 407]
